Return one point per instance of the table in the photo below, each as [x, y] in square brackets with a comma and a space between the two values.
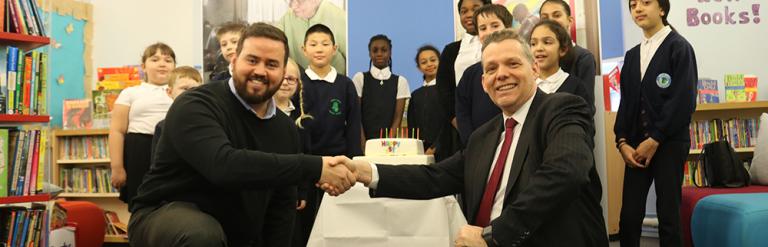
[355, 219]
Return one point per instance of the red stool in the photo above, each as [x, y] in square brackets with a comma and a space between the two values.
[90, 222]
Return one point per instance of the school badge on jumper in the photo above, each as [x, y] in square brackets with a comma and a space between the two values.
[663, 80]
[335, 108]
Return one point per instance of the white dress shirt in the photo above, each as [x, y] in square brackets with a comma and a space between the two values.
[430, 83]
[649, 47]
[289, 109]
[519, 116]
[498, 203]
[469, 54]
[329, 78]
[403, 91]
[553, 82]
[271, 106]
[148, 103]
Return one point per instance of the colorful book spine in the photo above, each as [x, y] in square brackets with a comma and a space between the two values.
[4, 166]
[12, 54]
[43, 149]
[27, 83]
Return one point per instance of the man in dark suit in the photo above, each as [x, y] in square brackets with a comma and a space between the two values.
[527, 176]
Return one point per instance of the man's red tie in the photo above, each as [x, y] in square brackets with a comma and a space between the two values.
[486, 205]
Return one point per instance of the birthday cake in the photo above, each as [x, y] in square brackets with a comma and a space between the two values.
[396, 151]
[393, 147]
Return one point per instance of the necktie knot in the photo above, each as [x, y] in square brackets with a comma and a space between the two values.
[510, 123]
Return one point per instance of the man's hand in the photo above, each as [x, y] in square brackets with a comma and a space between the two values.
[628, 154]
[362, 171]
[301, 204]
[646, 150]
[340, 178]
[470, 236]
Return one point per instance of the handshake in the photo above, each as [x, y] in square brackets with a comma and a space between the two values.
[341, 173]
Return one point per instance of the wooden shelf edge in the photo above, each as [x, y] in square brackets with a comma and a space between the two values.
[80, 132]
[23, 41]
[737, 150]
[13, 118]
[24, 199]
[86, 161]
[90, 195]
[115, 239]
[732, 106]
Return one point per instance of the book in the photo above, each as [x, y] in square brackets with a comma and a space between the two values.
[734, 88]
[77, 114]
[750, 88]
[41, 160]
[104, 102]
[4, 167]
[707, 91]
[12, 55]
[612, 90]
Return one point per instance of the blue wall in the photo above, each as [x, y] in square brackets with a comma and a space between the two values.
[67, 60]
[611, 29]
[409, 24]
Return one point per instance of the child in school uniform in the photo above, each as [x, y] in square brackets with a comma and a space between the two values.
[455, 58]
[550, 44]
[331, 99]
[287, 89]
[228, 35]
[181, 79]
[424, 109]
[137, 110]
[582, 63]
[658, 98]
[283, 100]
[382, 93]
[473, 106]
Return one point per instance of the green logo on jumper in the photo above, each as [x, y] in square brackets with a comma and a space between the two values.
[335, 108]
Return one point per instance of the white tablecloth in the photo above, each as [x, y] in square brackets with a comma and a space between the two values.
[355, 219]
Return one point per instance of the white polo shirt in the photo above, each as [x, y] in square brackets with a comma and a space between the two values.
[148, 105]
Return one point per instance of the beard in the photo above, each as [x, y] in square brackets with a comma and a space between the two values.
[241, 86]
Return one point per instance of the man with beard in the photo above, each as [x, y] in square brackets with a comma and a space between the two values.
[226, 164]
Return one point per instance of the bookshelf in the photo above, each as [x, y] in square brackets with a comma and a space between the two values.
[615, 164]
[30, 120]
[87, 149]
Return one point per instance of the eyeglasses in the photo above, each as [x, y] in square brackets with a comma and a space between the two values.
[291, 80]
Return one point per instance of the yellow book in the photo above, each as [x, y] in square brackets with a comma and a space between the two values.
[42, 161]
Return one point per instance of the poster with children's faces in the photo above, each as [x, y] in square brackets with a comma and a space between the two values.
[216, 13]
[526, 14]
[294, 17]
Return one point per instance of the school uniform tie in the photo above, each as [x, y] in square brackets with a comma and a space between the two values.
[489, 196]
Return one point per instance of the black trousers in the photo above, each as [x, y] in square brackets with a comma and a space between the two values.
[174, 224]
[666, 169]
[137, 150]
